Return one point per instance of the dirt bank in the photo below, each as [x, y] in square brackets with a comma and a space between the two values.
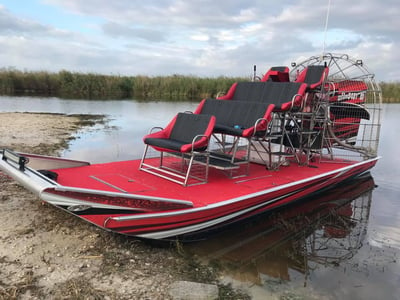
[47, 254]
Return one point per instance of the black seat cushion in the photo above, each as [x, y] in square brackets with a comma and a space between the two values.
[165, 143]
[235, 130]
[169, 144]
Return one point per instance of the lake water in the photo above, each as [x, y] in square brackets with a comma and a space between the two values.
[350, 250]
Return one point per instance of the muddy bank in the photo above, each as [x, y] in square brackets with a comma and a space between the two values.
[47, 254]
[42, 133]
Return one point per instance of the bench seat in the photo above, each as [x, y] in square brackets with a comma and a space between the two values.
[284, 95]
[237, 118]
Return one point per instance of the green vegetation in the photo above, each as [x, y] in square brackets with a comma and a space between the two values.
[65, 84]
[390, 92]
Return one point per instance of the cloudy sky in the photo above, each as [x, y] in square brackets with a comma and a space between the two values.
[198, 37]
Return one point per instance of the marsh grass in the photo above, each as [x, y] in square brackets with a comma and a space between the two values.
[65, 84]
[391, 92]
[74, 85]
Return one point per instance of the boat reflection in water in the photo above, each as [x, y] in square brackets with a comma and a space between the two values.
[326, 229]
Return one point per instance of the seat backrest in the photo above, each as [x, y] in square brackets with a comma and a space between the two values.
[280, 69]
[313, 75]
[249, 91]
[280, 74]
[231, 113]
[279, 93]
[187, 126]
[288, 92]
[222, 110]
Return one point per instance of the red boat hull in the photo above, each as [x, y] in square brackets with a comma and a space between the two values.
[217, 203]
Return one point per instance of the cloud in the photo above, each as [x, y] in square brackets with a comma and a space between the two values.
[203, 37]
[204, 13]
[11, 25]
[116, 30]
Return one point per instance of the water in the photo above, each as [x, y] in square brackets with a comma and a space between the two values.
[345, 249]
[121, 139]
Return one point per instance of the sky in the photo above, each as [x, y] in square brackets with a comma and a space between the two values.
[204, 38]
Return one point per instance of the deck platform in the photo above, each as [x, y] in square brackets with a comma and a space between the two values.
[125, 176]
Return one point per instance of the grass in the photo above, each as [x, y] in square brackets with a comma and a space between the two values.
[74, 85]
[65, 84]
[391, 92]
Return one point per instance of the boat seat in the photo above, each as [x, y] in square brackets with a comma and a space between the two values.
[285, 98]
[284, 95]
[237, 118]
[187, 135]
[278, 74]
[313, 76]
[288, 98]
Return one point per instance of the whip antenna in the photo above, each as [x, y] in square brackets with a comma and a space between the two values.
[326, 26]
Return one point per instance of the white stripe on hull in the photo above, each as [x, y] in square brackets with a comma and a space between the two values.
[199, 226]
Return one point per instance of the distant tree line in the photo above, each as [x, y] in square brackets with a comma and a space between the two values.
[65, 84]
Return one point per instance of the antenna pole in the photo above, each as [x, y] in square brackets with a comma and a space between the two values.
[326, 26]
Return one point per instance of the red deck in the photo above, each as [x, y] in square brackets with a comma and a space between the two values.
[222, 200]
[125, 176]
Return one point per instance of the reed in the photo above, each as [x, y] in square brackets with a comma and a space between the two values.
[65, 84]
[179, 87]
[390, 92]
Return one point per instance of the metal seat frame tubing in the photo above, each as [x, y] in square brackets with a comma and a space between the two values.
[173, 172]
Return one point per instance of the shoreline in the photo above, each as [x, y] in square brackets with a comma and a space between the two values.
[46, 253]
[42, 133]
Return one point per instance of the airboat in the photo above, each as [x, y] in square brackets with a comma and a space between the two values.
[264, 144]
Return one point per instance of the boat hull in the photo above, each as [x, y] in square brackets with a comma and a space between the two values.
[169, 210]
[172, 224]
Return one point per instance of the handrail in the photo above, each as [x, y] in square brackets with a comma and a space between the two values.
[294, 98]
[258, 123]
[154, 128]
[199, 136]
